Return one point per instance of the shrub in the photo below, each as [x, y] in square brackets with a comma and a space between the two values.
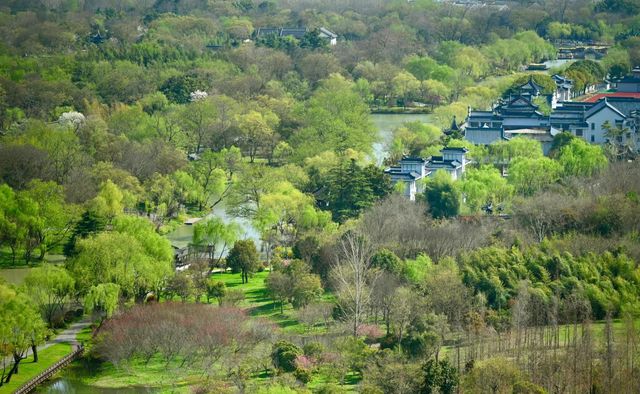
[284, 355]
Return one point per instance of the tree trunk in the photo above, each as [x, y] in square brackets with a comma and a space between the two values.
[14, 369]
[34, 350]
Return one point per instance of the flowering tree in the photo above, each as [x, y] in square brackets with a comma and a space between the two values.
[72, 119]
[198, 95]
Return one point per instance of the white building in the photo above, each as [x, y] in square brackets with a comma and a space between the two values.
[413, 171]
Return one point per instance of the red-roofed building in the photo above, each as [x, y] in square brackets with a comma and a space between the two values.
[599, 96]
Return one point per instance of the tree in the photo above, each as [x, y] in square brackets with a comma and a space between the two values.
[483, 186]
[442, 196]
[21, 329]
[198, 118]
[49, 287]
[528, 175]
[244, 258]
[279, 287]
[439, 376]
[496, 375]
[216, 289]
[257, 131]
[347, 200]
[214, 173]
[214, 234]
[181, 285]
[354, 277]
[57, 216]
[89, 223]
[109, 202]
[335, 119]
[103, 299]
[618, 147]
[284, 354]
[132, 256]
[579, 158]
[405, 86]
[182, 335]
[19, 221]
[307, 288]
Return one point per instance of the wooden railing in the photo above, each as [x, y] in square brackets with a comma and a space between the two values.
[47, 373]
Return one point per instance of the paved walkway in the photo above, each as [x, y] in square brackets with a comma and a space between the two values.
[66, 336]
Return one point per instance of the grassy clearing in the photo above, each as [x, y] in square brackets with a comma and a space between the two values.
[259, 304]
[28, 369]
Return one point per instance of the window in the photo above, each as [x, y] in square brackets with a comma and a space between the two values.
[593, 127]
[579, 133]
[593, 138]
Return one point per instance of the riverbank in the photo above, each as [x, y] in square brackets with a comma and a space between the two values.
[29, 370]
[401, 110]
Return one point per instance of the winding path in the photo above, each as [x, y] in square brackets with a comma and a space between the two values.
[66, 336]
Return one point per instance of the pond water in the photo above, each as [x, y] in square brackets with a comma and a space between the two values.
[70, 385]
[558, 62]
[385, 123]
[182, 236]
[14, 276]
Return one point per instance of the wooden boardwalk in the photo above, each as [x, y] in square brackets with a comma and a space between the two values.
[49, 372]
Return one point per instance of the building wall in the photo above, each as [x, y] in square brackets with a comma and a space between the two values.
[483, 136]
[595, 132]
[628, 87]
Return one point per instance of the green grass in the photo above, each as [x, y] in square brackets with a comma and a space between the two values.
[28, 369]
[258, 303]
[156, 373]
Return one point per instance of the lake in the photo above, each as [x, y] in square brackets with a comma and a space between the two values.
[385, 123]
[182, 236]
[15, 276]
[68, 385]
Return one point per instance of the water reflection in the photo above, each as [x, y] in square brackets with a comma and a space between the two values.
[68, 385]
[385, 123]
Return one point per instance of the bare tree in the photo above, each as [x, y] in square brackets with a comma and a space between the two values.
[354, 276]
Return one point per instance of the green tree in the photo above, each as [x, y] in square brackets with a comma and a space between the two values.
[21, 329]
[132, 256]
[257, 131]
[104, 299]
[528, 175]
[57, 216]
[216, 289]
[284, 354]
[279, 287]
[109, 202]
[442, 196]
[213, 236]
[579, 158]
[49, 287]
[307, 288]
[335, 118]
[244, 258]
[365, 186]
[89, 224]
[439, 377]
[484, 185]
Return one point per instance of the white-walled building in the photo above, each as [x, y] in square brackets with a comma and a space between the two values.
[413, 171]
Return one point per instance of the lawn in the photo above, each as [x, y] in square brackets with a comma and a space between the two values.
[258, 303]
[156, 373]
[28, 369]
